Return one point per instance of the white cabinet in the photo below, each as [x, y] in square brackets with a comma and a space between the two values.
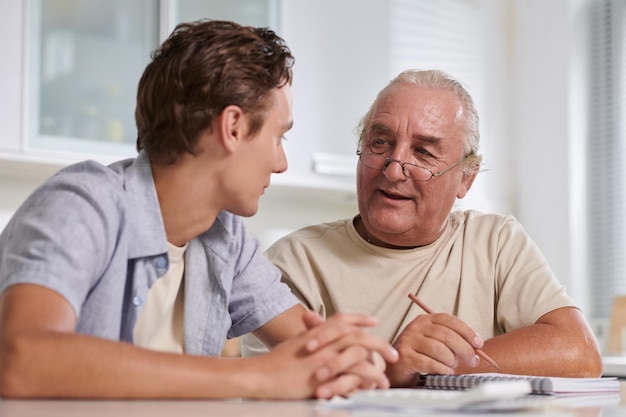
[71, 75]
[69, 80]
[83, 62]
[341, 63]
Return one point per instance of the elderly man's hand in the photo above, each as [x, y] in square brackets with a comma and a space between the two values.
[433, 343]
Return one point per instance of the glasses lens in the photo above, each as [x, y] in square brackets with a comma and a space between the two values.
[372, 160]
[417, 173]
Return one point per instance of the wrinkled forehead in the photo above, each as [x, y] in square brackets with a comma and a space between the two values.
[409, 108]
[413, 99]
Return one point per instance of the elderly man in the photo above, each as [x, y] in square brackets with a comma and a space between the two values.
[481, 274]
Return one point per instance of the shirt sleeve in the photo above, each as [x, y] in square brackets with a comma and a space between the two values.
[527, 287]
[59, 238]
[257, 294]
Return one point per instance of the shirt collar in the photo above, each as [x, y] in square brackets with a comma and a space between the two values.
[145, 222]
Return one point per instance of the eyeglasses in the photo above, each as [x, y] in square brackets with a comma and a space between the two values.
[415, 172]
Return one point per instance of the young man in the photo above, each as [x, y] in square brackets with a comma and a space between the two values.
[118, 281]
[481, 274]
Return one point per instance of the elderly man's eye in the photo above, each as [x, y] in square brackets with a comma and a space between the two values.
[380, 144]
[422, 152]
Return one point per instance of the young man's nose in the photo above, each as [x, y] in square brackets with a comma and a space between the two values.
[281, 162]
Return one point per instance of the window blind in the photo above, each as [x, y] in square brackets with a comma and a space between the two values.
[606, 180]
[438, 34]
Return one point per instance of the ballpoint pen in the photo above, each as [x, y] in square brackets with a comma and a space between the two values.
[478, 351]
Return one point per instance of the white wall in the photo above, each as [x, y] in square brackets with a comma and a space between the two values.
[495, 188]
[13, 192]
[547, 126]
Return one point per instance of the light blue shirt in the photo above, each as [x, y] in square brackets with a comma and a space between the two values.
[94, 234]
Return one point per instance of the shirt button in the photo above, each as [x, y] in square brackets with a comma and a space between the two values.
[137, 301]
[161, 262]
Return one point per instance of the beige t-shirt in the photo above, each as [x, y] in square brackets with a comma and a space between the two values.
[484, 269]
[160, 322]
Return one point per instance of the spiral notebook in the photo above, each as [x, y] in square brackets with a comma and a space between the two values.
[539, 384]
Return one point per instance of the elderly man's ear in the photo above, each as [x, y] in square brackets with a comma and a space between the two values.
[466, 182]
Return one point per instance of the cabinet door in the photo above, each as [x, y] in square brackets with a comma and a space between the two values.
[259, 13]
[84, 61]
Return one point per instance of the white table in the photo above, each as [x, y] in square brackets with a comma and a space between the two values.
[240, 408]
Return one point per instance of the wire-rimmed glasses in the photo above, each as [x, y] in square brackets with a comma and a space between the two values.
[415, 172]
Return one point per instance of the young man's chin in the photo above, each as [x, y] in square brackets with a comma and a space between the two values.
[248, 211]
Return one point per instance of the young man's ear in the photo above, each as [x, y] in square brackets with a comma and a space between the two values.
[232, 126]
